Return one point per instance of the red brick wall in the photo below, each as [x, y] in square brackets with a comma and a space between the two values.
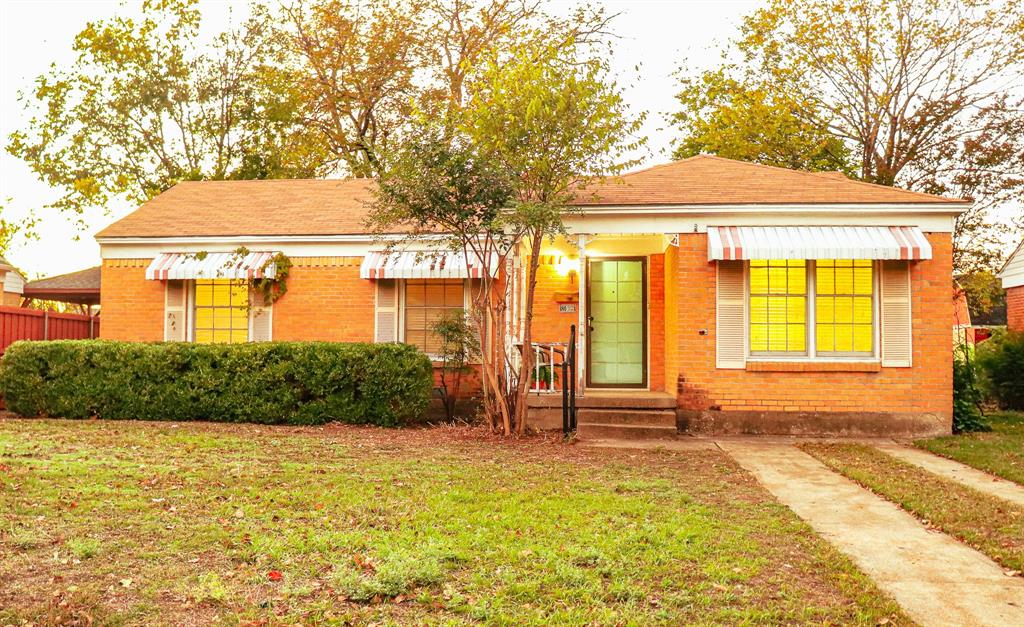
[924, 388]
[132, 307]
[548, 324]
[1015, 308]
[672, 316]
[326, 300]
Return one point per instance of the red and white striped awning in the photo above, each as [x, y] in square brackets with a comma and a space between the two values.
[178, 266]
[412, 264]
[817, 242]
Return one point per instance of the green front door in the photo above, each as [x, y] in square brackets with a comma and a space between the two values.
[617, 309]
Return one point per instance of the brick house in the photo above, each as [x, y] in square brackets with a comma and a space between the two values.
[1012, 275]
[711, 295]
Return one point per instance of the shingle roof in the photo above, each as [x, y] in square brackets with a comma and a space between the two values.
[267, 207]
[88, 279]
[340, 207]
[711, 180]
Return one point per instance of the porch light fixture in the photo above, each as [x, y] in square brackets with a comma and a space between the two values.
[568, 266]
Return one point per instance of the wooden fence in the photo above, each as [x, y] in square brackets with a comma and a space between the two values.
[31, 324]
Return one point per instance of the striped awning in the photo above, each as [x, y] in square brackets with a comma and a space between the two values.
[817, 242]
[411, 264]
[177, 266]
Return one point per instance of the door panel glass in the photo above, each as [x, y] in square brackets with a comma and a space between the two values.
[617, 335]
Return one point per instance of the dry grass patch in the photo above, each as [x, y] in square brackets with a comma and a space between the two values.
[197, 523]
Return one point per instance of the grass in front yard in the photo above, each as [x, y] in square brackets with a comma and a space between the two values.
[190, 524]
[1000, 451]
[987, 523]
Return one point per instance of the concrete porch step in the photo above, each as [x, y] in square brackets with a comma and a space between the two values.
[608, 400]
[633, 417]
[598, 431]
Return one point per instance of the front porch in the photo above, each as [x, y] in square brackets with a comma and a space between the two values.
[609, 414]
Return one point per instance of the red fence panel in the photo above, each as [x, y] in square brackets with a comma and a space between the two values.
[31, 324]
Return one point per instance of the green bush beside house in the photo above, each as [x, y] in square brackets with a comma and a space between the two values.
[299, 383]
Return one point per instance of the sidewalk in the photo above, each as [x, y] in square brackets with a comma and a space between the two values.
[937, 580]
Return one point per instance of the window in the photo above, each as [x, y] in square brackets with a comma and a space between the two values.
[425, 302]
[222, 311]
[844, 306]
[778, 306]
[834, 297]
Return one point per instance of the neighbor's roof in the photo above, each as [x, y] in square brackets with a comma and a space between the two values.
[88, 279]
[340, 207]
[75, 287]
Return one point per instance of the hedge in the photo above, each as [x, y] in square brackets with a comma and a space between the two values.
[1002, 360]
[298, 383]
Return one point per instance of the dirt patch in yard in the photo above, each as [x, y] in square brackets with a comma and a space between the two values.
[197, 523]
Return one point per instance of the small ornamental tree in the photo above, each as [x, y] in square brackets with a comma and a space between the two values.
[553, 119]
[495, 179]
[438, 183]
[460, 346]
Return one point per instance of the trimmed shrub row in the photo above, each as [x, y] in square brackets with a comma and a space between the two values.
[298, 383]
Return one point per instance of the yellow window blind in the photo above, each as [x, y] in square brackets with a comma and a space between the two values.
[844, 309]
[778, 306]
[222, 311]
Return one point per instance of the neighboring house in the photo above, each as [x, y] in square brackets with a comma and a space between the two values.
[1012, 276]
[79, 288]
[714, 294]
[963, 331]
[13, 284]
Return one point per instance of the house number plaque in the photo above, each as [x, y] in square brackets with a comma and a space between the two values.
[567, 308]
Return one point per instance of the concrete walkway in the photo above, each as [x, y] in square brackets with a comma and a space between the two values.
[970, 477]
[934, 578]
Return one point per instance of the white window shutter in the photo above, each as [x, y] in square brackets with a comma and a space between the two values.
[386, 311]
[261, 318]
[174, 311]
[731, 316]
[896, 323]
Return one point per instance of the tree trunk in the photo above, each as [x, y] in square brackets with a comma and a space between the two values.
[536, 239]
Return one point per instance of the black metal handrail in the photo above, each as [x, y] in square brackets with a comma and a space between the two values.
[569, 384]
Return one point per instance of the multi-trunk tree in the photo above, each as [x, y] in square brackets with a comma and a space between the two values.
[497, 179]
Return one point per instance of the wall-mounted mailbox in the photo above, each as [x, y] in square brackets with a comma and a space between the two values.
[567, 297]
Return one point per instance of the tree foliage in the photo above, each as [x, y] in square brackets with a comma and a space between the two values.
[145, 106]
[722, 115]
[924, 95]
[356, 69]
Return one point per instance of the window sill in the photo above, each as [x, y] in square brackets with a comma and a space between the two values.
[814, 366]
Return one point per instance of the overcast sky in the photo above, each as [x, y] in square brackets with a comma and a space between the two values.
[656, 35]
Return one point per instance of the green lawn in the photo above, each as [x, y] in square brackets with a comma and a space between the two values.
[1000, 452]
[987, 523]
[132, 522]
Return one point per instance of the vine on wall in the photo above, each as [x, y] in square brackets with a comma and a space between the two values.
[270, 289]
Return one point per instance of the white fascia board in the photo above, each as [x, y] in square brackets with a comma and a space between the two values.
[293, 246]
[831, 209]
[593, 223]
